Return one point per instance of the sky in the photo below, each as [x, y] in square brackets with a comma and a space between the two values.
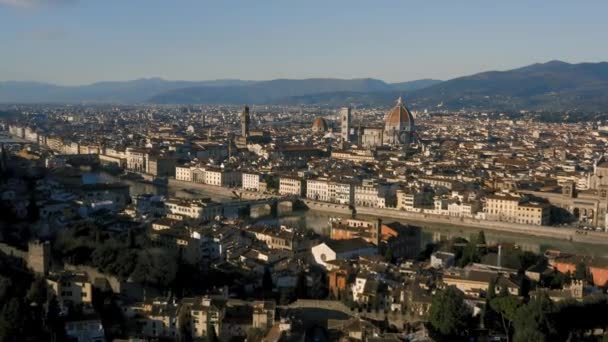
[84, 41]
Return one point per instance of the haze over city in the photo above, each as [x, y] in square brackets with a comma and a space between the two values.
[74, 42]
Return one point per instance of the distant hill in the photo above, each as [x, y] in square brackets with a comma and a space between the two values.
[343, 98]
[135, 91]
[553, 85]
[268, 91]
[414, 85]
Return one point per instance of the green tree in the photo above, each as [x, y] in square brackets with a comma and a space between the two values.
[581, 271]
[532, 322]
[156, 267]
[528, 259]
[267, 282]
[211, 334]
[11, 320]
[388, 254]
[506, 307]
[301, 286]
[38, 291]
[491, 289]
[489, 316]
[449, 314]
[481, 243]
[255, 334]
[470, 254]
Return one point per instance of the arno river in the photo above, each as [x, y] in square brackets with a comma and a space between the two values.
[318, 221]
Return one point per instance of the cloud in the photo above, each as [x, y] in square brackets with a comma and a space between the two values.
[35, 3]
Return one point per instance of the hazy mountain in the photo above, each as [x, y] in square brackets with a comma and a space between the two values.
[343, 98]
[553, 85]
[414, 85]
[269, 91]
[102, 92]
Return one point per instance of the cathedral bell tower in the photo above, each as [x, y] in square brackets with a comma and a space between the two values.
[245, 120]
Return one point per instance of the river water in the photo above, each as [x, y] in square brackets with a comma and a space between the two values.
[319, 221]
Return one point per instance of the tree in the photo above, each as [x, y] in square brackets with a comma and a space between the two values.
[255, 334]
[38, 291]
[449, 314]
[580, 272]
[11, 320]
[131, 239]
[491, 290]
[506, 307]
[211, 334]
[489, 316]
[267, 282]
[301, 286]
[528, 259]
[155, 267]
[388, 254]
[532, 321]
[470, 253]
[481, 242]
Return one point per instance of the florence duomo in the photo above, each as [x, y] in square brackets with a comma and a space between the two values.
[282, 171]
[398, 129]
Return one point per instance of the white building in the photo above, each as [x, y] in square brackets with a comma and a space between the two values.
[251, 181]
[199, 209]
[463, 209]
[342, 250]
[291, 186]
[183, 173]
[137, 159]
[85, 330]
[341, 192]
[222, 177]
[318, 189]
[376, 195]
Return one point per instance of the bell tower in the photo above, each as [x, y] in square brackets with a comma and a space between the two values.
[245, 120]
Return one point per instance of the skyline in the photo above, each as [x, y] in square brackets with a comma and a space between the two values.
[83, 42]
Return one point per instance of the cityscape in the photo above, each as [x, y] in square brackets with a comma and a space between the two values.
[300, 208]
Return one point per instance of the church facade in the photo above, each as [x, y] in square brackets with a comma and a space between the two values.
[398, 129]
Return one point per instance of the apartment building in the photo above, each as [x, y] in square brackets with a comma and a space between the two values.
[318, 189]
[292, 185]
[516, 209]
[70, 288]
[197, 209]
[251, 181]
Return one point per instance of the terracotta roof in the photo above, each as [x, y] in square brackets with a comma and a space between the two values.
[319, 124]
[399, 115]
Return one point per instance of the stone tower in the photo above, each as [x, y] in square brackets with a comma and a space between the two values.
[39, 256]
[345, 117]
[245, 120]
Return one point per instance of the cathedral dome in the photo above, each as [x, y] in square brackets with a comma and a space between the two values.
[399, 125]
[319, 125]
[399, 117]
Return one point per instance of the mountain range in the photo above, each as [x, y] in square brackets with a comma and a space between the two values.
[553, 85]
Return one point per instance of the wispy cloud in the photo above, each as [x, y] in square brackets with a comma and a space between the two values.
[35, 3]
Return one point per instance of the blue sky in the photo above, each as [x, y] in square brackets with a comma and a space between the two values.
[83, 41]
